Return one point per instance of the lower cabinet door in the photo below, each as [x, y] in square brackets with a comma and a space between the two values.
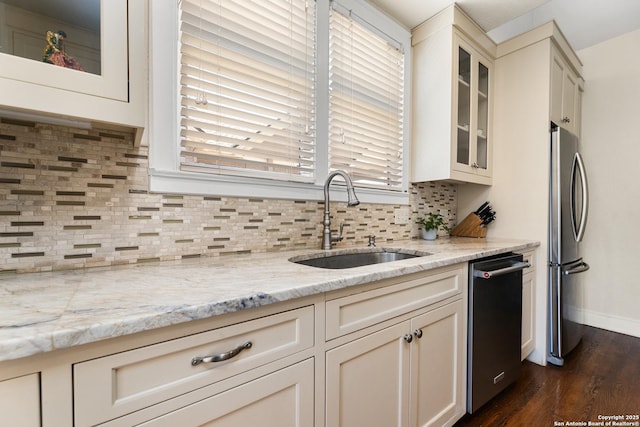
[20, 401]
[528, 313]
[284, 398]
[438, 366]
[367, 380]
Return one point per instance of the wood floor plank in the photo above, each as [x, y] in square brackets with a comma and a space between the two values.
[600, 377]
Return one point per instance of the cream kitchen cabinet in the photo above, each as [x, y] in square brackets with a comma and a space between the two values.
[566, 93]
[183, 379]
[438, 366]
[452, 102]
[386, 352]
[528, 305]
[20, 401]
[110, 89]
[284, 398]
[368, 380]
[410, 368]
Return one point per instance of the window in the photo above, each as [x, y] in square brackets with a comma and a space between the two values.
[365, 104]
[265, 100]
[247, 87]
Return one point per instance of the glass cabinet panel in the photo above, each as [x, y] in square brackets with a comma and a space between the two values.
[464, 106]
[483, 115]
[64, 33]
[79, 46]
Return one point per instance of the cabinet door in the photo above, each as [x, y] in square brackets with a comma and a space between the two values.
[282, 399]
[565, 95]
[528, 304]
[482, 118]
[528, 313]
[20, 401]
[438, 362]
[557, 78]
[577, 122]
[569, 94]
[367, 380]
[462, 154]
[472, 88]
[107, 78]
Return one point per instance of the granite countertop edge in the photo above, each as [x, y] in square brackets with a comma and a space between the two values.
[42, 312]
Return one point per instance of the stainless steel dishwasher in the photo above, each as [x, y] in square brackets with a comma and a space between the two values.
[495, 326]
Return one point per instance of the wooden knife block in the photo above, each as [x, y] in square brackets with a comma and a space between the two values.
[470, 227]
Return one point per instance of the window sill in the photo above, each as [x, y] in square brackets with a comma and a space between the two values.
[162, 181]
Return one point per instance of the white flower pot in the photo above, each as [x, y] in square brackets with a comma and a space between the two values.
[429, 234]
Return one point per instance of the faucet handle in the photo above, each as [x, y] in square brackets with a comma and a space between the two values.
[372, 240]
[338, 238]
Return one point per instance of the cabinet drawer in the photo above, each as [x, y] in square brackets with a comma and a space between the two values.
[530, 257]
[354, 312]
[281, 399]
[121, 383]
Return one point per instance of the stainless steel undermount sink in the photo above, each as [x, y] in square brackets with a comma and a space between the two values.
[356, 258]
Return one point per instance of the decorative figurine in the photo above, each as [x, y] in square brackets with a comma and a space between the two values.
[54, 53]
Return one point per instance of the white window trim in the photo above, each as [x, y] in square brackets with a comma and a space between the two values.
[164, 130]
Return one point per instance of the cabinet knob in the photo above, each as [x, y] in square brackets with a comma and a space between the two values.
[475, 165]
[418, 333]
[566, 119]
[408, 337]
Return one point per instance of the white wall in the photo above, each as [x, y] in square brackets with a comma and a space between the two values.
[611, 150]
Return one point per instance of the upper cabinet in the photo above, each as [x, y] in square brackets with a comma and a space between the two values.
[566, 93]
[81, 60]
[452, 100]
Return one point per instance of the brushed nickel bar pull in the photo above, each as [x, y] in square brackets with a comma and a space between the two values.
[501, 271]
[220, 357]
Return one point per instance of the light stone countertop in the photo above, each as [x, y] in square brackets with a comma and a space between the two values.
[42, 312]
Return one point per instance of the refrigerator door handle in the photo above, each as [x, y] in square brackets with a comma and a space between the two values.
[578, 165]
[579, 268]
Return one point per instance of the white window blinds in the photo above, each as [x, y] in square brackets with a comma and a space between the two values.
[247, 87]
[366, 104]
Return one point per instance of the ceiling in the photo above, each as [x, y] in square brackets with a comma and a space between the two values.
[584, 22]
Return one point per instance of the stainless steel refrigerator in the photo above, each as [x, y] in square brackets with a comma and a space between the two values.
[568, 208]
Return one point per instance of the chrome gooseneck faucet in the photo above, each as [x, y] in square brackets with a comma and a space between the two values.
[352, 200]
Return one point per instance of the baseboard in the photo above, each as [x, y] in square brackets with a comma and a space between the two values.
[623, 325]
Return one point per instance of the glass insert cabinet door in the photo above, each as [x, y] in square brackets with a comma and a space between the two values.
[483, 116]
[464, 106]
[75, 45]
[472, 124]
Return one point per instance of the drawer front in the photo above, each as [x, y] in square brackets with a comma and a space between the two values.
[530, 257]
[284, 398]
[351, 313]
[121, 383]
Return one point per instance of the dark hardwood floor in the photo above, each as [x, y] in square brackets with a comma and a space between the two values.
[600, 377]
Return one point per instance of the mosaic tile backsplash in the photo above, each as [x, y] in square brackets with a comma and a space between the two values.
[76, 198]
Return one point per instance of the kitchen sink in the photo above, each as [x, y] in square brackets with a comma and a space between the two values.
[356, 258]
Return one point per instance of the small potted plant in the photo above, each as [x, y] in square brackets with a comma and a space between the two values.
[431, 224]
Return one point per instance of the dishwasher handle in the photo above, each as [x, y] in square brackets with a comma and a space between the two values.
[499, 272]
